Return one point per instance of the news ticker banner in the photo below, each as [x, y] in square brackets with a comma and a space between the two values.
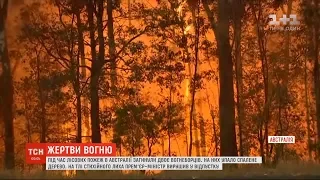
[91, 156]
[145, 163]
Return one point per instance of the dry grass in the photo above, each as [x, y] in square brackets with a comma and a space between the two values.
[292, 169]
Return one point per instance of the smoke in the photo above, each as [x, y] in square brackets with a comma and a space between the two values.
[15, 3]
[13, 9]
[13, 30]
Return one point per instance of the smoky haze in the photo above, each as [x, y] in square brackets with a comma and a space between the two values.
[13, 24]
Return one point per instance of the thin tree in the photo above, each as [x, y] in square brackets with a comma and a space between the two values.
[95, 70]
[238, 11]
[42, 104]
[80, 72]
[264, 118]
[287, 62]
[307, 108]
[112, 46]
[195, 9]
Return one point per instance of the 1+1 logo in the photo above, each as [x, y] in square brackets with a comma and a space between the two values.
[288, 23]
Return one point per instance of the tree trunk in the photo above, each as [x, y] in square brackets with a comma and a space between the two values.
[307, 108]
[94, 82]
[94, 96]
[287, 46]
[214, 129]
[112, 48]
[265, 74]
[27, 115]
[226, 99]
[83, 72]
[261, 142]
[286, 80]
[169, 123]
[193, 121]
[316, 73]
[6, 94]
[42, 104]
[311, 8]
[202, 130]
[238, 8]
[78, 103]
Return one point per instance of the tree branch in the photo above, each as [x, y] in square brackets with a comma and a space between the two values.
[210, 15]
[132, 39]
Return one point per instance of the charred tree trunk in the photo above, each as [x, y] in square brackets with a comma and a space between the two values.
[77, 89]
[75, 69]
[95, 74]
[112, 48]
[226, 100]
[78, 100]
[238, 9]
[6, 94]
[81, 75]
[100, 60]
